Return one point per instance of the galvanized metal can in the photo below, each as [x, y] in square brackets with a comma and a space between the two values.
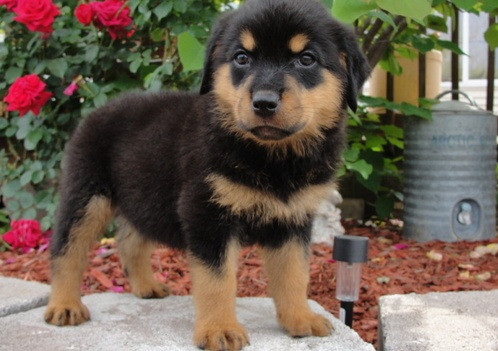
[449, 174]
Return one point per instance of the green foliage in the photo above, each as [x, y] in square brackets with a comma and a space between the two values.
[373, 156]
[164, 51]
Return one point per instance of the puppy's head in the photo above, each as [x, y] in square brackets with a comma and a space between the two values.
[282, 71]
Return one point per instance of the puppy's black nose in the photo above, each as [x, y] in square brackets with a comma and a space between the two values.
[265, 103]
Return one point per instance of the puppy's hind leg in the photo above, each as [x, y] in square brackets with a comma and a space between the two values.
[135, 251]
[78, 226]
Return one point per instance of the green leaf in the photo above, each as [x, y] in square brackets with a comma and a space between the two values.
[423, 44]
[464, 4]
[437, 23]
[375, 142]
[407, 52]
[135, 65]
[30, 213]
[100, 100]
[3, 123]
[157, 34]
[25, 199]
[391, 64]
[163, 9]
[414, 9]
[26, 178]
[489, 5]
[191, 52]
[445, 44]
[91, 53]
[180, 6]
[384, 206]
[396, 142]
[411, 110]
[390, 130]
[37, 177]
[491, 36]
[372, 183]
[12, 74]
[11, 188]
[384, 17]
[57, 67]
[349, 10]
[362, 167]
[23, 126]
[351, 155]
[32, 139]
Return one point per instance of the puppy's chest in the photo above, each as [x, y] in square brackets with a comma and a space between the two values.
[263, 206]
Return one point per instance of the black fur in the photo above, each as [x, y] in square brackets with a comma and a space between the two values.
[150, 153]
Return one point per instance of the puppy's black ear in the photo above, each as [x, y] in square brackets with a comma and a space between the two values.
[212, 52]
[358, 69]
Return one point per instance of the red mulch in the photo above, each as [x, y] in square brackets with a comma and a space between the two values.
[391, 269]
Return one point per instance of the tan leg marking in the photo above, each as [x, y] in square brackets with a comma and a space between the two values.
[216, 326]
[287, 269]
[135, 251]
[65, 306]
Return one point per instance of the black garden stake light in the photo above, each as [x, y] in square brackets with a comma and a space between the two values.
[350, 252]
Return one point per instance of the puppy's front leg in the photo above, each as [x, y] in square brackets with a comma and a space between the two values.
[287, 269]
[214, 289]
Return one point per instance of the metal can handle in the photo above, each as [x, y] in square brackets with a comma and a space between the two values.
[471, 100]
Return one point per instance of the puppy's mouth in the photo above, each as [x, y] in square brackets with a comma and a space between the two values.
[267, 132]
[270, 133]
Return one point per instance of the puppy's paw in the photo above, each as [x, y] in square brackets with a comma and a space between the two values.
[66, 314]
[151, 290]
[217, 337]
[306, 325]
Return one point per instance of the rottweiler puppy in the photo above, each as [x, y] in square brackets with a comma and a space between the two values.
[246, 161]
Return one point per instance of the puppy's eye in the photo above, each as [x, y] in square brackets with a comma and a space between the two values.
[241, 58]
[306, 59]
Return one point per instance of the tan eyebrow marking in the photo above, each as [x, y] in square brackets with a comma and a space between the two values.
[298, 43]
[247, 40]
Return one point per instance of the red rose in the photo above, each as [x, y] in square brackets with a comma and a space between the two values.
[25, 234]
[27, 93]
[84, 13]
[9, 3]
[37, 15]
[114, 15]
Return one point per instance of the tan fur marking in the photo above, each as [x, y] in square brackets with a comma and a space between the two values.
[318, 108]
[287, 269]
[65, 307]
[216, 326]
[265, 207]
[135, 252]
[298, 43]
[247, 40]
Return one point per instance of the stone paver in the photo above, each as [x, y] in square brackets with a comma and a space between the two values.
[453, 321]
[18, 295]
[124, 322]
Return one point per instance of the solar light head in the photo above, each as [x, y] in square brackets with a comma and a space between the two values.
[349, 252]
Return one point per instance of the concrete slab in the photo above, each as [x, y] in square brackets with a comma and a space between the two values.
[124, 322]
[466, 320]
[18, 295]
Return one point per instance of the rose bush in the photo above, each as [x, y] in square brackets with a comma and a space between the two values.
[60, 59]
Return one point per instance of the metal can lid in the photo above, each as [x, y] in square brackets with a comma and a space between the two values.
[350, 248]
